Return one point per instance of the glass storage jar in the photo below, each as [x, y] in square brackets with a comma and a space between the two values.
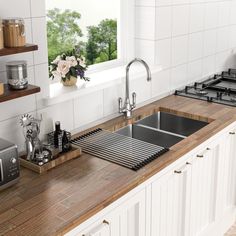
[14, 32]
[17, 74]
[1, 35]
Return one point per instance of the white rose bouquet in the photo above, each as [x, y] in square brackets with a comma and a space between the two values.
[67, 66]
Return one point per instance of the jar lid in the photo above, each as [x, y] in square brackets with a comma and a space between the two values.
[16, 63]
[13, 21]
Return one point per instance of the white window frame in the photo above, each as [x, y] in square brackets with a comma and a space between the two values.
[125, 35]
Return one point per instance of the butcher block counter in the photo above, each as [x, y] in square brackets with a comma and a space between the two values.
[56, 202]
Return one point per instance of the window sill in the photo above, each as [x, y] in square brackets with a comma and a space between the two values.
[98, 81]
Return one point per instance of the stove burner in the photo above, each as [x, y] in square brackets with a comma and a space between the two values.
[201, 92]
[220, 88]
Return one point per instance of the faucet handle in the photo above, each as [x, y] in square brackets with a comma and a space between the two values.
[134, 95]
[120, 104]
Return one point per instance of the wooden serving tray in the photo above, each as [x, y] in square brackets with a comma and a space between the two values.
[74, 153]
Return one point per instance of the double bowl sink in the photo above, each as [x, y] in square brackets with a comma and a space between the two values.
[162, 129]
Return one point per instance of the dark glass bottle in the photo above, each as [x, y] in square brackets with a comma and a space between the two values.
[57, 133]
[65, 142]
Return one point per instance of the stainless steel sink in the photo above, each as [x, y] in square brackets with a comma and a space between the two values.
[163, 129]
[172, 123]
[156, 137]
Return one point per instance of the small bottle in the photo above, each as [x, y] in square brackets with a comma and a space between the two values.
[65, 142]
[57, 133]
[60, 147]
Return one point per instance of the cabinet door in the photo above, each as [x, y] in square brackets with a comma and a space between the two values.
[231, 192]
[129, 218]
[204, 172]
[227, 175]
[170, 198]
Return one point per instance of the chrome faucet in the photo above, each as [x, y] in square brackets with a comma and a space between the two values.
[128, 106]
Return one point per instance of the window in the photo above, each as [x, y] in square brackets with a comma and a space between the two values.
[94, 27]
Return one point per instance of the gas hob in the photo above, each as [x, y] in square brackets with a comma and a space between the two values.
[220, 88]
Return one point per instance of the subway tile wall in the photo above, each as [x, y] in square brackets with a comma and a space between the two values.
[190, 39]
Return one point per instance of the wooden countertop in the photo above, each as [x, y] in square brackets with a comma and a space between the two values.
[56, 202]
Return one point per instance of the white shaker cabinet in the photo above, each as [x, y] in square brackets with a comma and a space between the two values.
[194, 196]
[197, 198]
[204, 171]
[169, 202]
[126, 219]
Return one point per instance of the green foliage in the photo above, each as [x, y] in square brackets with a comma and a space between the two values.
[102, 42]
[63, 32]
[64, 35]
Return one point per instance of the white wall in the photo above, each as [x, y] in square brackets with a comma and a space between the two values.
[189, 38]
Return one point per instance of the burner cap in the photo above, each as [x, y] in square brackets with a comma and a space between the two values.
[201, 92]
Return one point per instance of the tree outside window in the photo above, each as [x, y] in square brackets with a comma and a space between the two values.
[65, 34]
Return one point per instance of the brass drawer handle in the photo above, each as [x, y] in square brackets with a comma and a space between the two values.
[200, 155]
[105, 222]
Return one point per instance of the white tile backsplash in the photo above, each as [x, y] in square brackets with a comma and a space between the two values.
[179, 50]
[179, 76]
[11, 130]
[142, 88]
[88, 108]
[180, 19]
[15, 8]
[211, 15]
[42, 80]
[194, 71]
[39, 35]
[145, 49]
[224, 13]
[38, 8]
[232, 18]
[196, 18]
[209, 41]
[189, 39]
[195, 46]
[163, 24]
[149, 3]
[163, 2]
[145, 16]
[60, 112]
[111, 96]
[222, 41]
[163, 53]
[208, 65]
[24, 56]
[160, 83]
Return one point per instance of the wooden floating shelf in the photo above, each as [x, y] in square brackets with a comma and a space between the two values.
[11, 51]
[13, 94]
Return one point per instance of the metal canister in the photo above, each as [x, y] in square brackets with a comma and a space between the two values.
[1, 35]
[14, 32]
[17, 74]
